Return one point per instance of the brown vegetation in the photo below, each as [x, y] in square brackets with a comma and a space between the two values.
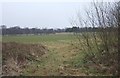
[101, 48]
[16, 56]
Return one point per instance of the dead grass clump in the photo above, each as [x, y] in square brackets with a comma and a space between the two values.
[17, 55]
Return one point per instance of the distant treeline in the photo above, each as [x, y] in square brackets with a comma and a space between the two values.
[17, 30]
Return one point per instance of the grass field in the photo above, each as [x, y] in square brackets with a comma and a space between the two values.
[54, 62]
[64, 56]
[39, 38]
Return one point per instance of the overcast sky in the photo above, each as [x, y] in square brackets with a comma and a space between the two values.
[40, 14]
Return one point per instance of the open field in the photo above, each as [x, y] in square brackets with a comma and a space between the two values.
[64, 54]
[39, 38]
[39, 41]
[55, 61]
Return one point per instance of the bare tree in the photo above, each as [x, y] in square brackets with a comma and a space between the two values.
[101, 46]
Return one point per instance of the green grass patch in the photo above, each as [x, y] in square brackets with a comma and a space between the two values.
[38, 38]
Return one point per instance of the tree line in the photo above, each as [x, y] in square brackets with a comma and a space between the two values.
[17, 30]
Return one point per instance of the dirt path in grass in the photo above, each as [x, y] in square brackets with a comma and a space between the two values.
[54, 62]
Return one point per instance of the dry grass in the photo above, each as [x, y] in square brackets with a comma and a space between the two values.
[16, 56]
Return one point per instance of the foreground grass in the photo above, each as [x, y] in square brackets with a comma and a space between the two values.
[54, 62]
[65, 55]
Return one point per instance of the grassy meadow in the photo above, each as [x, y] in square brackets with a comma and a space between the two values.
[58, 60]
[63, 37]
[65, 55]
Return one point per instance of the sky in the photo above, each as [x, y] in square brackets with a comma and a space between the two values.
[40, 14]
